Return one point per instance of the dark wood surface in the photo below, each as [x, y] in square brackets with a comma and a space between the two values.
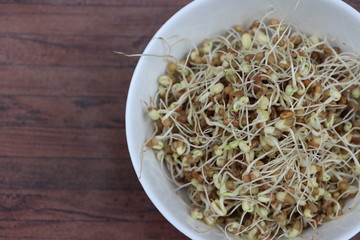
[65, 168]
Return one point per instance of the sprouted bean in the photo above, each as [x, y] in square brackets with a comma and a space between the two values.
[261, 126]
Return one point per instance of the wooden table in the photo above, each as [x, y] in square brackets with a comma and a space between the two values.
[65, 168]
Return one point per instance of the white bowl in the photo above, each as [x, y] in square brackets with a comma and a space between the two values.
[197, 21]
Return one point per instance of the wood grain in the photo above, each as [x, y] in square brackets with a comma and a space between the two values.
[39, 111]
[65, 169]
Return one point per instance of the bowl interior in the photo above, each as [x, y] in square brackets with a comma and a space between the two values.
[200, 20]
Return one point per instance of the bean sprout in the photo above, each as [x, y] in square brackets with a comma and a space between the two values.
[261, 126]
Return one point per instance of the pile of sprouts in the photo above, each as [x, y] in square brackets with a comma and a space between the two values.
[261, 127]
